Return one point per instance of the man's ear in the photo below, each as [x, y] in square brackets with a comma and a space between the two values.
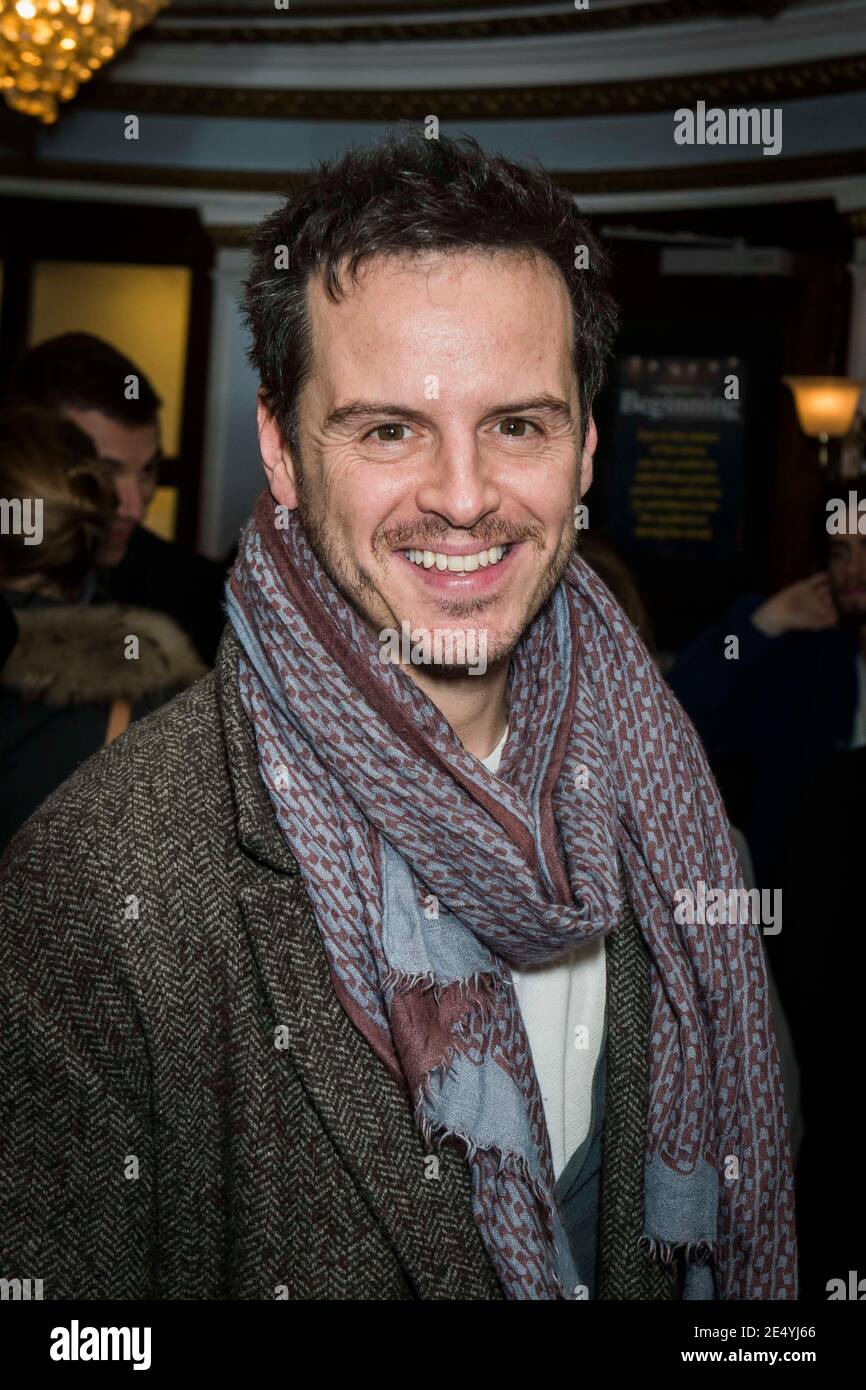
[589, 449]
[277, 458]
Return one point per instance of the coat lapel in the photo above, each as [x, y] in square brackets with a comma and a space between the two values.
[429, 1222]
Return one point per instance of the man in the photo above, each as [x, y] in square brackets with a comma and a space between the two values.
[790, 694]
[111, 399]
[360, 952]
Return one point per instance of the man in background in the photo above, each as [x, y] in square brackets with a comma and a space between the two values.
[790, 695]
[88, 381]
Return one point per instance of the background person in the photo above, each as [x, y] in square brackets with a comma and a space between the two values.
[66, 686]
[794, 696]
[85, 379]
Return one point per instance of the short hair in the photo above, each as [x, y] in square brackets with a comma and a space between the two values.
[47, 457]
[412, 195]
[84, 372]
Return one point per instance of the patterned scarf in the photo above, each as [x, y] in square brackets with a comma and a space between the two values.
[428, 874]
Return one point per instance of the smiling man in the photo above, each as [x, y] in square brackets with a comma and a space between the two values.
[362, 977]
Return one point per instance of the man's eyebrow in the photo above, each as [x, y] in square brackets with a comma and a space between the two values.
[357, 411]
[550, 405]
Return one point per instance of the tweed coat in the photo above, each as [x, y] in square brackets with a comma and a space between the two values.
[186, 1111]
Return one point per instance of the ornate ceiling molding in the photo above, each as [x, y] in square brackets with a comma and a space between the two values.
[589, 183]
[598, 17]
[826, 77]
[238, 26]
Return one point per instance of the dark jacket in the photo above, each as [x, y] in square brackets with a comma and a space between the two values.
[58, 685]
[786, 704]
[173, 579]
[154, 1141]
[8, 631]
[822, 985]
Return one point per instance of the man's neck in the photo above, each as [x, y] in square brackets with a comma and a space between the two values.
[475, 706]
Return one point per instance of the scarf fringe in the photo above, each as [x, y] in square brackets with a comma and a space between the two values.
[400, 983]
[508, 1160]
[459, 1047]
[695, 1251]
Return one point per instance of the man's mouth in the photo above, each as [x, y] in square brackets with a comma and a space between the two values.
[458, 564]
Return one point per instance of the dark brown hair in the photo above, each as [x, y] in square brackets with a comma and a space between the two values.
[84, 372]
[410, 195]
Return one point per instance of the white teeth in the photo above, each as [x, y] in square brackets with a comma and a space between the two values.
[457, 564]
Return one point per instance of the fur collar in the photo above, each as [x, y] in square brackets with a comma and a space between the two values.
[76, 654]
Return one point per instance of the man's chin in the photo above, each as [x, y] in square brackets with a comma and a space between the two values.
[110, 556]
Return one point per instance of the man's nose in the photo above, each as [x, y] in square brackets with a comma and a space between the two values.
[460, 486]
[131, 505]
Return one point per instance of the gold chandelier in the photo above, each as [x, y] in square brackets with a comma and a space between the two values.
[49, 47]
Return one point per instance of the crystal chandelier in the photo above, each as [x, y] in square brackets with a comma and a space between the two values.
[49, 47]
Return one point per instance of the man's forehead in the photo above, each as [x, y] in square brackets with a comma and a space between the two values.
[514, 308]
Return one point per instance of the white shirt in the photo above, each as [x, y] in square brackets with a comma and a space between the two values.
[556, 1000]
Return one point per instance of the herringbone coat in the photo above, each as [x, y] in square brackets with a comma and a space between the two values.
[157, 942]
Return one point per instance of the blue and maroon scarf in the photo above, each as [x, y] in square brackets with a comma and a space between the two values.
[429, 874]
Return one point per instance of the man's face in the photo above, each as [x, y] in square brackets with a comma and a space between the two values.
[134, 453]
[441, 421]
[847, 570]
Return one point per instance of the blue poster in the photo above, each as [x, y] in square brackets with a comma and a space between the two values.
[678, 458]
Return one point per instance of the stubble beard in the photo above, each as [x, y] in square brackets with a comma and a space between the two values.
[358, 588]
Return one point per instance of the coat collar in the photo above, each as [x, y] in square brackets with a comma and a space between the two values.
[429, 1222]
[69, 654]
[257, 828]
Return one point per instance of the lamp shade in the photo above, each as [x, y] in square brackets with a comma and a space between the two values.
[825, 405]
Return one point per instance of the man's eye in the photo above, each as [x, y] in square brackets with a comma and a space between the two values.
[518, 428]
[385, 433]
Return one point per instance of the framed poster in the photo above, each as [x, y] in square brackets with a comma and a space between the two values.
[677, 479]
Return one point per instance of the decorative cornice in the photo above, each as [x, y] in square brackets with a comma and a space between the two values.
[279, 28]
[826, 77]
[728, 173]
[664, 11]
[591, 183]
